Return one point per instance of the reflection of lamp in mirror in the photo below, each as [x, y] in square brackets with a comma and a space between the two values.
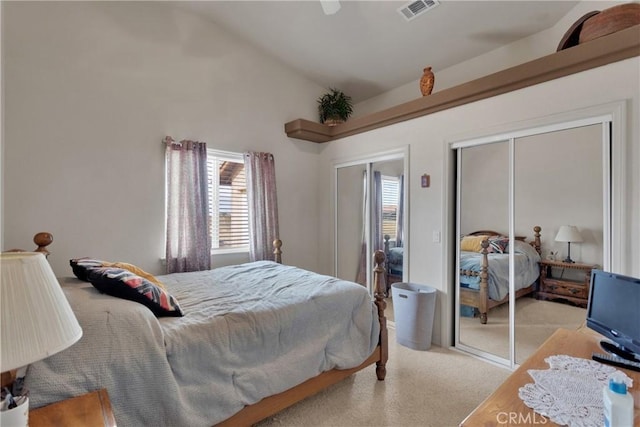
[569, 234]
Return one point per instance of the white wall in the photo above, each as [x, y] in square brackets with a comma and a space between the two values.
[559, 181]
[91, 88]
[524, 50]
[428, 137]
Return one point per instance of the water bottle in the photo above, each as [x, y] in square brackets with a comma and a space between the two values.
[618, 404]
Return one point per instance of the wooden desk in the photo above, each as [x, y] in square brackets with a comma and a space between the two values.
[496, 409]
[89, 410]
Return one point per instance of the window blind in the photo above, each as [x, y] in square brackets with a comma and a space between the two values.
[390, 194]
[228, 207]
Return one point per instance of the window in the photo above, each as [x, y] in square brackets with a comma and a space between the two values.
[390, 194]
[228, 207]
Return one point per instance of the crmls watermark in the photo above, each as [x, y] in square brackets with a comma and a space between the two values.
[518, 418]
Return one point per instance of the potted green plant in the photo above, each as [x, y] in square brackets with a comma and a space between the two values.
[334, 107]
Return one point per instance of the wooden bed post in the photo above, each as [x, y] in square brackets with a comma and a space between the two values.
[270, 405]
[479, 299]
[484, 282]
[277, 251]
[536, 239]
[43, 240]
[379, 294]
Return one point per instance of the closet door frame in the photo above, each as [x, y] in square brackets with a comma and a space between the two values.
[368, 160]
[612, 119]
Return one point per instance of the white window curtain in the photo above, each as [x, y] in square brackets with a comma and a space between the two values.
[188, 239]
[263, 204]
[376, 220]
[361, 274]
[400, 214]
[376, 225]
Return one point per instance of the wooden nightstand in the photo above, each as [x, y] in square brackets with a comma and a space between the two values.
[89, 410]
[553, 287]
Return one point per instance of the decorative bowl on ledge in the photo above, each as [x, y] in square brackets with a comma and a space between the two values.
[597, 24]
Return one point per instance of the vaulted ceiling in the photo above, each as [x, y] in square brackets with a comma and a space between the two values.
[368, 47]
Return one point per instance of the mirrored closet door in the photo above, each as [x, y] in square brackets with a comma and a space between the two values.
[515, 193]
[568, 190]
[483, 211]
[370, 208]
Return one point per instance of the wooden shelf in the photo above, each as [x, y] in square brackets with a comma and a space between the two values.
[604, 50]
[88, 410]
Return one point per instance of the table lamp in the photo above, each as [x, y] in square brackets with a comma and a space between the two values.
[36, 318]
[569, 234]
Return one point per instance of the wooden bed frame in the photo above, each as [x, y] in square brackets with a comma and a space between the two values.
[480, 298]
[273, 404]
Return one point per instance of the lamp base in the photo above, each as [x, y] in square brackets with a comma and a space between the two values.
[17, 416]
[568, 260]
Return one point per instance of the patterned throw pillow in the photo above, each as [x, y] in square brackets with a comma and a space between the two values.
[472, 243]
[122, 283]
[135, 270]
[498, 245]
[81, 266]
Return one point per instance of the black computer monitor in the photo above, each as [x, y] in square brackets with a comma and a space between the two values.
[614, 311]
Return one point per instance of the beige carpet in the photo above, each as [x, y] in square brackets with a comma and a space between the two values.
[388, 312]
[435, 388]
[535, 322]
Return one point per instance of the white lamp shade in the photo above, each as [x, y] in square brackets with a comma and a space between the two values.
[568, 233]
[37, 320]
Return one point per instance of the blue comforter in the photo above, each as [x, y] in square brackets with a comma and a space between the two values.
[526, 269]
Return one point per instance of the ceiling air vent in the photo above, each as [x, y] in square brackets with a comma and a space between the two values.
[415, 8]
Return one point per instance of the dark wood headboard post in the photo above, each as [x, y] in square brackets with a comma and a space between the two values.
[379, 294]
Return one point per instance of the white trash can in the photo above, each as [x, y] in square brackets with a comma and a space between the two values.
[413, 310]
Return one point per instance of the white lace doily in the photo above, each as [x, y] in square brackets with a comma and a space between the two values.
[570, 391]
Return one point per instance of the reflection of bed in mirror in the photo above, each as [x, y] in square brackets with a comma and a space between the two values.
[484, 269]
[394, 263]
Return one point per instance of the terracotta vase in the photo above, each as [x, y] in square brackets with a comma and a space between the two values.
[426, 82]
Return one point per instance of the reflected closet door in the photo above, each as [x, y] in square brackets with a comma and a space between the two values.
[371, 204]
[564, 187]
[483, 208]
[351, 191]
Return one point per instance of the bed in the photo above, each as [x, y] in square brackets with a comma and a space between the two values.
[484, 270]
[264, 337]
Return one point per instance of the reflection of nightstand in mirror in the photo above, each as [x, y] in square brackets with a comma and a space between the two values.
[554, 287]
[89, 410]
